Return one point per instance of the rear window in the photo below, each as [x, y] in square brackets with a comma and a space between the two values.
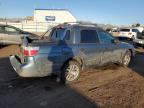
[125, 30]
[89, 36]
[57, 34]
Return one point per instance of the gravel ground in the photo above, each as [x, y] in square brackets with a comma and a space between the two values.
[107, 87]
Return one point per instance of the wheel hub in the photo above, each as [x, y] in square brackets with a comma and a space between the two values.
[72, 72]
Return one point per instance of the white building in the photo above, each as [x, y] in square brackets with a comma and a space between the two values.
[53, 15]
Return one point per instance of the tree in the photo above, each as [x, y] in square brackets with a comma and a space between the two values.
[137, 25]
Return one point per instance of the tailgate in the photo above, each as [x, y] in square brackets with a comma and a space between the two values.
[123, 33]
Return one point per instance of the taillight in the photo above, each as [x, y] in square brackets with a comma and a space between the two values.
[129, 33]
[31, 51]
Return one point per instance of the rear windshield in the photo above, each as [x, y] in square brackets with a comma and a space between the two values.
[57, 34]
[125, 30]
[53, 34]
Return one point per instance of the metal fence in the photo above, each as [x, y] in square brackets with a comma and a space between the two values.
[31, 26]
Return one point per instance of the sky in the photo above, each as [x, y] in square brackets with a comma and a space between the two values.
[116, 12]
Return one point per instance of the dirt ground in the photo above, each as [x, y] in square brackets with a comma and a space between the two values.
[108, 87]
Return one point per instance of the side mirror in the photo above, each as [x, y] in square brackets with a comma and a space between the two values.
[114, 41]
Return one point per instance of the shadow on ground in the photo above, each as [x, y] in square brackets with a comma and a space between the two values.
[137, 63]
[8, 50]
[16, 92]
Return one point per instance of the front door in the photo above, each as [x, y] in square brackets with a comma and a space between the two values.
[89, 47]
[109, 47]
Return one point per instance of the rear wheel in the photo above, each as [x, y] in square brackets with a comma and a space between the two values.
[127, 58]
[70, 72]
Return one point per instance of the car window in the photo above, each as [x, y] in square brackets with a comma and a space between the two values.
[57, 34]
[135, 30]
[1, 30]
[67, 36]
[105, 37]
[10, 30]
[89, 36]
[125, 30]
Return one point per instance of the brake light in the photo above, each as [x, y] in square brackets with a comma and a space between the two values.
[129, 33]
[31, 51]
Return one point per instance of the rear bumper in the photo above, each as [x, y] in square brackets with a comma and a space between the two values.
[25, 70]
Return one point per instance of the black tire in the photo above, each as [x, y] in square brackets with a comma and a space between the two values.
[64, 74]
[126, 58]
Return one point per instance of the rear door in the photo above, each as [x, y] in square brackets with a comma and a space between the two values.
[12, 36]
[89, 47]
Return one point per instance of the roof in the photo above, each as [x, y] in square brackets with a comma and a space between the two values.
[81, 24]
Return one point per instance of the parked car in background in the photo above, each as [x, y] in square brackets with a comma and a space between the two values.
[140, 29]
[113, 31]
[109, 30]
[128, 32]
[12, 35]
[139, 39]
[69, 49]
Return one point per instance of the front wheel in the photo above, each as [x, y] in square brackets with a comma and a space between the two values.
[70, 72]
[127, 58]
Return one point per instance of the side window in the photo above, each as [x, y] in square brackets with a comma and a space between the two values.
[105, 37]
[67, 36]
[10, 30]
[89, 36]
[1, 30]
